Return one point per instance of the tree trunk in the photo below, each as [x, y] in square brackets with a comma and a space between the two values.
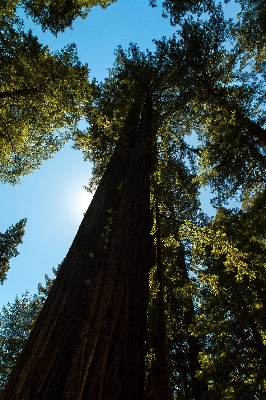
[158, 367]
[198, 388]
[89, 340]
[161, 347]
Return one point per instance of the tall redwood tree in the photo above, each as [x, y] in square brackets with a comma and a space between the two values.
[89, 340]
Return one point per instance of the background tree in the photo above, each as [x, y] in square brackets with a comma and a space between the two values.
[251, 16]
[8, 246]
[42, 98]
[229, 263]
[222, 100]
[16, 323]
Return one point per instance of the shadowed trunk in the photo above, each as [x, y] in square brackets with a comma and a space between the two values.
[198, 387]
[89, 340]
[161, 347]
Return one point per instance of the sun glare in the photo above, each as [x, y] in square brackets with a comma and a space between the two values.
[84, 201]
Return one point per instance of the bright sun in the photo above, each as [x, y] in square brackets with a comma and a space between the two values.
[83, 201]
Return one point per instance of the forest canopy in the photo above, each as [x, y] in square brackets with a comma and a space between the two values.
[179, 294]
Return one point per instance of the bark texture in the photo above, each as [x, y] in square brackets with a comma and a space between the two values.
[89, 341]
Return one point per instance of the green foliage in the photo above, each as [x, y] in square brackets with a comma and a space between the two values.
[58, 15]
[8, 246]
[222, 100]
[176, 196]
[16, 323]
[135, 75]
[228, 259]
[250, 31]
[207, 241]
[177, 10]
[42, 97]
[53, 15]
[251, 15]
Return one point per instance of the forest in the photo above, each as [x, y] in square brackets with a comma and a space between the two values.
[154, 299]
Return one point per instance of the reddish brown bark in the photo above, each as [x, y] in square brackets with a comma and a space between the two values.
[89, 341]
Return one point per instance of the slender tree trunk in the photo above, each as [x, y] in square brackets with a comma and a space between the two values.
[158, 377]
[89, 341]
[161, 349]
[198, 388]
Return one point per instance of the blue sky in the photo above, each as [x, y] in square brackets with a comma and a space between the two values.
[52, 198]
